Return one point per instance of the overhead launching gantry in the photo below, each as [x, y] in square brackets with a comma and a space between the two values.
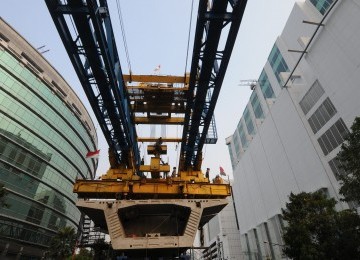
[181, 202]
[157, 99]
[155, 214]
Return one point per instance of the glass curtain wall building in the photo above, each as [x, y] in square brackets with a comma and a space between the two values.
[45, 133]
[288, 136]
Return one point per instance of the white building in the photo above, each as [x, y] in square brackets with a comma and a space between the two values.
[291, 130]
[221, 235]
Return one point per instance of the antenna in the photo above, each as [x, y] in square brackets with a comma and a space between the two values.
[249, 82]
[45, 51]
[42, 51]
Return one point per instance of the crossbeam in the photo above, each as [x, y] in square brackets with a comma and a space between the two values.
[150, 189]
[157, 120]
[156, 79]
[164, 139]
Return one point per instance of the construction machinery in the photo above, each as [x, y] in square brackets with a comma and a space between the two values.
[153, 215]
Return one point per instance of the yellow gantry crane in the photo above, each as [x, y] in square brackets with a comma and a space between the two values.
[158, 100]
[157, 215]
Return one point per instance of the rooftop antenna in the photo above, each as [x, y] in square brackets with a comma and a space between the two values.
[249, 82]
[41, 47]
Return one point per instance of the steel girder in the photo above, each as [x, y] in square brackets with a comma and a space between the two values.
[208, 67]
[92, 51]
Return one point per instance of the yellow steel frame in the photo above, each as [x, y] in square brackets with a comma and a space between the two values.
[145, 108]
[154, 88]
[159, 120]
[164, 139]
[150, 189]
[156, 79]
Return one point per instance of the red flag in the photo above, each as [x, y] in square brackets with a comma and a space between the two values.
[93, 154]
[222, 172]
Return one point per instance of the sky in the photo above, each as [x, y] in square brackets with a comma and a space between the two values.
[157, 34]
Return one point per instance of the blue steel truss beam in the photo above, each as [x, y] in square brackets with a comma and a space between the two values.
[209, 63]
[92, 51]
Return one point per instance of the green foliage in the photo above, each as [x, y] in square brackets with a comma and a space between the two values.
[349, 156]
[347, 238]
[62, 245]
[84, 254]
[101, 249]
[316, 230]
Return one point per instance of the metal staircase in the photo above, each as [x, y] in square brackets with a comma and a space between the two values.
[90, 235]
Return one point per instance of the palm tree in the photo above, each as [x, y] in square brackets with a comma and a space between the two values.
[62, 245]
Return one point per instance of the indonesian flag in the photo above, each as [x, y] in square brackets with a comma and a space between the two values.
[93, 154]
[222, 172]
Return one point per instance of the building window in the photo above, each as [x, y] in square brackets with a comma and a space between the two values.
[322, 115]
[259, 113]
[237, 144]
[322, 5]
[277, 63]
[12, 154]
[333, 137]
[248, 121]
[265, 86]
[2, 145]
[244, 140]
[335, 166]
[20, 158]
[231, 156]
[311, 97]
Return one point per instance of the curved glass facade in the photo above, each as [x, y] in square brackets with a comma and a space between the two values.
[44, 137]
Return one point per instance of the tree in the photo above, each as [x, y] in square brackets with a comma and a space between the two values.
[84, 254]
[101, 249]
[316, 230]
[347, 239]
[349, 157]
[63, 244]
